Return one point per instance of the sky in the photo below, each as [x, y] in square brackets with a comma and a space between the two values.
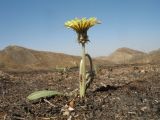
[39, 25]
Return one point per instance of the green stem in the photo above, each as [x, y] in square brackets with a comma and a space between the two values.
[83, 73]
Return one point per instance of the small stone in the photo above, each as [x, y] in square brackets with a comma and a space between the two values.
[144, 109]
[66, 113]
[71, 109]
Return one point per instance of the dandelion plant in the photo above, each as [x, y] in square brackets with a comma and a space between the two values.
[81, 26]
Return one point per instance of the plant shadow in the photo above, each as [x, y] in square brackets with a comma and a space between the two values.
[106, 88]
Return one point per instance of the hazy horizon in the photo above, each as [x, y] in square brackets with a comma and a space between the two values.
[39, 25]
[79, 54]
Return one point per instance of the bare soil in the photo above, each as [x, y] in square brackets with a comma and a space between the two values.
[122, 92]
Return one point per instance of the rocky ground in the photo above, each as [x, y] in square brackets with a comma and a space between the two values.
[122, 92]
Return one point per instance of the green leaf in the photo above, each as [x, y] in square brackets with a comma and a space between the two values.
[42, 94]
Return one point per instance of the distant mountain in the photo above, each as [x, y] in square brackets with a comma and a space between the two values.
[153, 56]
[126, 56]
[123, 55]
[20, 58]
[16, 57]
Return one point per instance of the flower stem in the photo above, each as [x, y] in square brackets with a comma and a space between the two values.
[83, 73]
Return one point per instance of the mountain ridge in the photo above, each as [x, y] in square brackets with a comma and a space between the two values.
[21, 58]
[126, 55]
[18, 57]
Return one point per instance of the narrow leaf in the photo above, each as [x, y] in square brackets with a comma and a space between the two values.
[42, 94]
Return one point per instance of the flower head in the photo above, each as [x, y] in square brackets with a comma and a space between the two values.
[81, 26]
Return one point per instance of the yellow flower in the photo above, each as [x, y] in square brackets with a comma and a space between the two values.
[81, 26]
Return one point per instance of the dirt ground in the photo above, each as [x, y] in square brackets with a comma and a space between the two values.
[122, 92]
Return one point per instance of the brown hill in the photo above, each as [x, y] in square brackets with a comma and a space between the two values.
[152, 57]
[20, 58]
[15, 57]
[124, 55]
[129, 56]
